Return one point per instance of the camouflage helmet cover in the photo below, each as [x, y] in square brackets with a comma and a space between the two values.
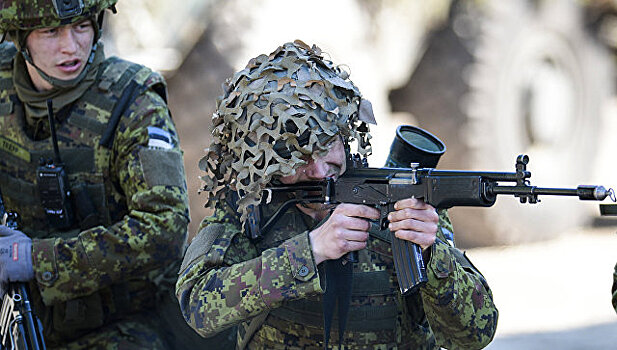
[275, 113]
[34, 14]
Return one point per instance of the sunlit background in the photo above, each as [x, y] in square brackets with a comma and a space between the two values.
[492, 79]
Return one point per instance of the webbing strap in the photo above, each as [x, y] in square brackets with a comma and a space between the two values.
[339, 277]
[254, 325]
[127, 97]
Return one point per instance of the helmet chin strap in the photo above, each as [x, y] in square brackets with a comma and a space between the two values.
[55, 82]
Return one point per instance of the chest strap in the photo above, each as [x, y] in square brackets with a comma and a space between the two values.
[359, 318]
[128, 96]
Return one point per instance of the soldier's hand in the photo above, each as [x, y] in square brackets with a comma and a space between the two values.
[415, 221]
[15, 256]
[345, 230]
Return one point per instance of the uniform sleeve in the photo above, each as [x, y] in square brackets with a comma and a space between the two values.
[457, 300]
[216, 292]
[146, 166]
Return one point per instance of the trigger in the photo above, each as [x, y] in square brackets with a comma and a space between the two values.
[383, 220]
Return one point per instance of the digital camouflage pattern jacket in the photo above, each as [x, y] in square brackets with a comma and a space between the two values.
[272, 289]
[614, 289]
[88, 276]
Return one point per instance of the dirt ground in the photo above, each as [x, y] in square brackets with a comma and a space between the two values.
[554, 294]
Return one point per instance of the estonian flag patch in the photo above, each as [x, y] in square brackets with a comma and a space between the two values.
[159, 138]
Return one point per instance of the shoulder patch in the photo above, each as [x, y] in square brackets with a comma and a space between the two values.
[161, 166]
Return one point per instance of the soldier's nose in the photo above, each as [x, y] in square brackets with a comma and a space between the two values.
[317, 170]
[68, 41]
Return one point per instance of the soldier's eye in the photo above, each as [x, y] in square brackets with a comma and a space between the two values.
[47, 31]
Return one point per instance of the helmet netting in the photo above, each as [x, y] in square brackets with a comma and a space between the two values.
[275, 113]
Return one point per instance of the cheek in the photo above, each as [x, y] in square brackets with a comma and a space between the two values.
[85, 41]
[40, 57]
[33, 45]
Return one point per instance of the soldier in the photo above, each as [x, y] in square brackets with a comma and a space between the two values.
[614, 289]
[90, 160]
[286, 118]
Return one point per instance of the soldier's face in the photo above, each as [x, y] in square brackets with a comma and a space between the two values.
[332, 164]
[61, 52]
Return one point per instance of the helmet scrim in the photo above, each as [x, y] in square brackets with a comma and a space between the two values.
[275, 113]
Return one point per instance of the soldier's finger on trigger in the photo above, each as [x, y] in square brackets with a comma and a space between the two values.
[402, 214]
[412, 203]
[370, 212]
[357, 224]
[359, 210]
[405, 203]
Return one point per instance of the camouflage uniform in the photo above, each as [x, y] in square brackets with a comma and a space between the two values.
[236, 280]
[614, 289]
[271, 287]
[97, 286]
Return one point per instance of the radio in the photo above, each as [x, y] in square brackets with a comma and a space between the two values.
[55, 194]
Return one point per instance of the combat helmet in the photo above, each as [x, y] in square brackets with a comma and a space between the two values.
[27, 15]
[18, 18]
[274, 114]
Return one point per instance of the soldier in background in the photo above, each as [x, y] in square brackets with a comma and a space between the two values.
[104, 215]
[614, 289]
[287, 118]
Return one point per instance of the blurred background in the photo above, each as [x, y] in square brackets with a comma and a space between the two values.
[492, 79]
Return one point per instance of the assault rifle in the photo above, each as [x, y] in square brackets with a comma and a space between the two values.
[443, 189]
[19, 326]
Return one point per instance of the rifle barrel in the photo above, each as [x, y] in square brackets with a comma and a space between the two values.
[583, 192]
[527, 190]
